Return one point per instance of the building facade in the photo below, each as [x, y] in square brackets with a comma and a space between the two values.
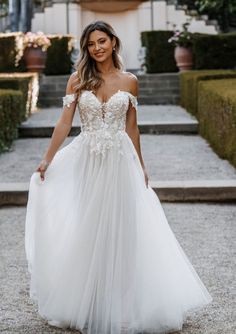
[129, 18]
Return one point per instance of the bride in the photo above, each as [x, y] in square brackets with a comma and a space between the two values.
[101, 255]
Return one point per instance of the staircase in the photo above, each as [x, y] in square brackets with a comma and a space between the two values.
[153, 89]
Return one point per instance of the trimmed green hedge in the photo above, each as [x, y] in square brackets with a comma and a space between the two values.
[17, 84]
[28, 84]
[221, 51]
[10, 117]
[189, 85]
[58, 57]
[160, 53]
[217, 116]
[215, 51]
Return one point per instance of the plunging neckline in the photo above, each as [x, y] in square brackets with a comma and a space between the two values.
[108, 100]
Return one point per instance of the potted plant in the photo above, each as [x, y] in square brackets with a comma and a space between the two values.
[35, 50]
[183, 41]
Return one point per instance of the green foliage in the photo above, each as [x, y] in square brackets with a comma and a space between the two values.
[58, 57]
[7, 54]
[217, 5]
[10, 118]
[221, 51]
[18, 84]
[189, 85]
[222, 10]
[217, 116]
[160, 53]
[183, 37]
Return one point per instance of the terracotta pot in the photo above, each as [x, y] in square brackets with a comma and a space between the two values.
[184, 58]
[35, 59]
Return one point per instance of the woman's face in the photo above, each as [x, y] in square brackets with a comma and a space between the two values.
[100, 46]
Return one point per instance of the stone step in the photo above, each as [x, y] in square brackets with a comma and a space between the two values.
[168, 191]
[162, 100]
[157, 88]
[190, 127]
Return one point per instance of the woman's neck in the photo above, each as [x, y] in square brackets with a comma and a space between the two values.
[106, 68]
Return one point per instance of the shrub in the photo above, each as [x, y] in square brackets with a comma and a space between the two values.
[28, 84]
[10, 117]
[189, 85]
[59, 55]
[217, 116]
[160, 54]
[11, 46]
[221, 51]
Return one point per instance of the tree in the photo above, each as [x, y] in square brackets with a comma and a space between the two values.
[222, 10]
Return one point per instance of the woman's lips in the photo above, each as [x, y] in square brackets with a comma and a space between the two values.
[99, 54]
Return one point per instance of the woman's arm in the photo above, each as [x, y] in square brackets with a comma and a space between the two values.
[61, 130]
[132, 126]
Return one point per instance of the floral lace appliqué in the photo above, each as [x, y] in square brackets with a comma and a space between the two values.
[103, 123]
[68, 99]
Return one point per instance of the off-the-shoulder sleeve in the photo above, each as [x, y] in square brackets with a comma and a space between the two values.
[133, 100]
[68, 99]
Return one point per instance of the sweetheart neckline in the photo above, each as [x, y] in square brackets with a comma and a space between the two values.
[108, 100]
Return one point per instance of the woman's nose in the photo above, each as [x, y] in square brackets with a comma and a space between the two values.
[97, 46]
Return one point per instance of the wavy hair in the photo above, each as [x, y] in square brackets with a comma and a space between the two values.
[88, 75]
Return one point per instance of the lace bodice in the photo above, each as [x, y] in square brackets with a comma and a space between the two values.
[105, 121]
[96, 115]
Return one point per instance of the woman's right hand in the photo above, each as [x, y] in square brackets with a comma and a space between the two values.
[42, 168]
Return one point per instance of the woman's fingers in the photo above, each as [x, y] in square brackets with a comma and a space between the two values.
[42, 169]
[41, 172]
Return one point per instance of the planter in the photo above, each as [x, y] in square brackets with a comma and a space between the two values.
[184, 58]
[35, 59]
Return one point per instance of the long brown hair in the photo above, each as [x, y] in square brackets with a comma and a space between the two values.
[88, 75]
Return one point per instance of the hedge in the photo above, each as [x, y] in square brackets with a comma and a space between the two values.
[217, 116]
[28, 84]
[189, 86]
[214, 51]
[221, 51]
[58, 54]
[10, 104]
[11, 52]
[160, 54]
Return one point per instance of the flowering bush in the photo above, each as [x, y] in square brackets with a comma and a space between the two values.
[36, 40]
[182, 38]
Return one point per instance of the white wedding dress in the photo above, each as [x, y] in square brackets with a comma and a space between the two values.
[101, 254]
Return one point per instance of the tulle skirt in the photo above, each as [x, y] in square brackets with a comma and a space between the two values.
[100, 252]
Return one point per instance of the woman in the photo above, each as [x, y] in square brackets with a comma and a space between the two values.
[101, 254]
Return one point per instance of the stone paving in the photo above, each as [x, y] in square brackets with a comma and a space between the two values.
[206, 232]
[49, 116]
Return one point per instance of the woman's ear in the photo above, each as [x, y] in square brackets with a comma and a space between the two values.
[113, 41]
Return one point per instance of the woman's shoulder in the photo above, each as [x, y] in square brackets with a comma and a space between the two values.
[130, 76]
[131, 82]
[73, 82]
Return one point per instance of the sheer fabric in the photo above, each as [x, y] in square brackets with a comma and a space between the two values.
[100, 251]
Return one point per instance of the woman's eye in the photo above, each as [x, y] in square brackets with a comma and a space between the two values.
[103, 41]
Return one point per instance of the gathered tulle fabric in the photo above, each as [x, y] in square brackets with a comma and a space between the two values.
[100, 251]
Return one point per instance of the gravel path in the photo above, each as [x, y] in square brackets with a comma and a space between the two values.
[167, 157]
[206, 233]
